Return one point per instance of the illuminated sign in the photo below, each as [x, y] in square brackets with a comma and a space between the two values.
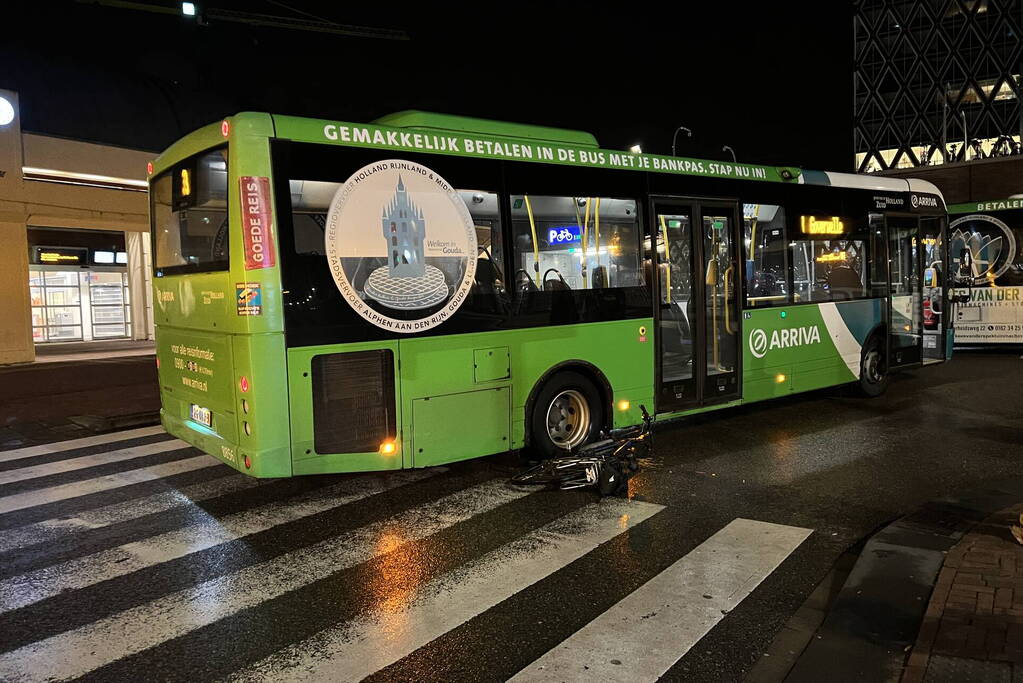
[811, 225]
[565, 234]
[186, 182]
[832, 257]
[67, 256]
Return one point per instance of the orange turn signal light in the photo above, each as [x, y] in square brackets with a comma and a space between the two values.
[388, 448]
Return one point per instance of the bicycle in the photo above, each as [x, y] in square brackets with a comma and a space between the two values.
[607, 464]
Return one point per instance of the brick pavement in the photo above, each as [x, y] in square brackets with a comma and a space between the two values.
[976, 609]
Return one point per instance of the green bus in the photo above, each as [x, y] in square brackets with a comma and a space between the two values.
[338, 297]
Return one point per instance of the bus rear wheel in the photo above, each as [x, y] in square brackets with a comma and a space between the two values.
[873, 368]
[566, 414]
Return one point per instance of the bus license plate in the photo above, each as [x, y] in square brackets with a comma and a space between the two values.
[203, 416]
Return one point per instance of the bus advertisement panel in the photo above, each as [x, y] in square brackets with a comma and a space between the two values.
[992, 233]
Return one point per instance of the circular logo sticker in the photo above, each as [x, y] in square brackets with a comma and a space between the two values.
[758, 343]
[401, 245]
[991, 243]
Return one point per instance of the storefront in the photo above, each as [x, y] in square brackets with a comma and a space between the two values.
[78, 285]
[74, 231]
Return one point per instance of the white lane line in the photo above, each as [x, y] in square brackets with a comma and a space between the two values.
[53, 494]
[60, 446]
[354, 650]
[58, 529]
[650, 629]
[26, 589]
[76, 652]
[82, 462]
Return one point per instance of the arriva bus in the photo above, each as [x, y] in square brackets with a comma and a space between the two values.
[338, 297]
[992, 233]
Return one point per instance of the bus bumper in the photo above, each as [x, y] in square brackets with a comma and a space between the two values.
[261, 464]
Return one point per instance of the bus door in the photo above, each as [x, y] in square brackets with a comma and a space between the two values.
[935, 292]
[697, 291]
[905, 300]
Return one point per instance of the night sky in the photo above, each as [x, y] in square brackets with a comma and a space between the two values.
[773, 80]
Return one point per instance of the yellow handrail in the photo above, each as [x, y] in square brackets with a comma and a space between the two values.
[728, 299]
[536, 247]
[667, 261]
[586, 239]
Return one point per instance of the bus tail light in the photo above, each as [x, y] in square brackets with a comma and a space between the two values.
[225, 128]
[248, 463]
[248, 428]
[243, 384]
[157, 362]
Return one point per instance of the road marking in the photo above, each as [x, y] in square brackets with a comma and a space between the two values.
[57, 529]
[26, 589]
[53, 494]
[354, 650]
[84, 442]
[78, 651]
[646, 632]
[82, 462]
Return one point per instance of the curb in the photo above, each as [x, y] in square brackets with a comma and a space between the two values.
[877, 615]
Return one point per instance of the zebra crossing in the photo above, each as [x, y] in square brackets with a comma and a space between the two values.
[134, 552]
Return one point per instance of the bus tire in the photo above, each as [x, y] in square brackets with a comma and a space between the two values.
[874, 375]
[567, 413]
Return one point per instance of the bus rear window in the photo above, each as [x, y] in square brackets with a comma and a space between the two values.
[190, 222]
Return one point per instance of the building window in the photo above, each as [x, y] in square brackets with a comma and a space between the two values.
[79, 305]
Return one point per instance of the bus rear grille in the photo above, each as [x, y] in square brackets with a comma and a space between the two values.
[353, 401]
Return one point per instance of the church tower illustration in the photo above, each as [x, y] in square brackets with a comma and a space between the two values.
[404, 228]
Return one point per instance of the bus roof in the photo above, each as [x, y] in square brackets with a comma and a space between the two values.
[450, 123]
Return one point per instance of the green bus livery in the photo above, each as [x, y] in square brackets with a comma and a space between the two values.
[339, 297]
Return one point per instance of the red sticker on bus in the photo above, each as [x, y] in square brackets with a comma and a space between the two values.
[256, 223]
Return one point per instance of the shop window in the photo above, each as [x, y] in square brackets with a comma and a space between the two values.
[766, 255]
[575, 243]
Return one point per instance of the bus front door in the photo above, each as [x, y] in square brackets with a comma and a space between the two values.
[697, 318]
[905, 293]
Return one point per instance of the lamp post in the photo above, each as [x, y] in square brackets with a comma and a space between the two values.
[675, 137]
[726, 148]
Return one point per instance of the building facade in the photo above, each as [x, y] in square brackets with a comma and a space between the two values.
[74, 232]
[936, 81]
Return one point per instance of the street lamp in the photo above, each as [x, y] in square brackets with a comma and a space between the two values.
[188, 9]
[6, 111]
[726, 148]
[636, 149]
[675, 137]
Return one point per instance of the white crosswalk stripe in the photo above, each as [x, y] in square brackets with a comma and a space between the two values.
[26, 589]
[82, 462]
[84, 442]
[355, 650]
[643, 635]
[53, 494]
[76, 652]
[59, 528]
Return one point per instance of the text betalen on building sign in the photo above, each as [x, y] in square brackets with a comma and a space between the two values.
[256, 222]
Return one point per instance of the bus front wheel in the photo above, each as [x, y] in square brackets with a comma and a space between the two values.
[873, 368]
[567, 413]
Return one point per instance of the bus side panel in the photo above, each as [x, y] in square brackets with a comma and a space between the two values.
[306, 459]
[452, 371]
[804, 347]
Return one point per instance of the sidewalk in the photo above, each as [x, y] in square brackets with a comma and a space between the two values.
[973, 627]
[78, 389]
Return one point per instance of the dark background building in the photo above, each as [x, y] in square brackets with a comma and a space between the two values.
[936, 81]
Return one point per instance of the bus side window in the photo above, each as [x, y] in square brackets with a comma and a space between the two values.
[829, 258]
[575, 243]
[489, 294]
[766, 255]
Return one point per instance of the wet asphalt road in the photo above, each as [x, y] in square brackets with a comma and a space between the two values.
[192, 572]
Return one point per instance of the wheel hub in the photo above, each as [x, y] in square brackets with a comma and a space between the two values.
[568, 419]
